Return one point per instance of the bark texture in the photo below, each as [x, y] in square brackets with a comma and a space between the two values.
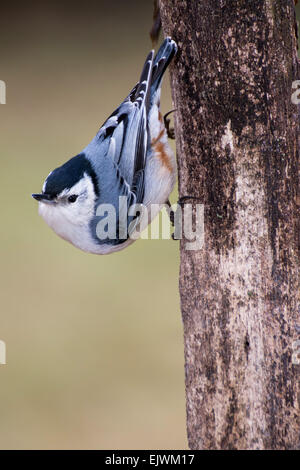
[237, 145]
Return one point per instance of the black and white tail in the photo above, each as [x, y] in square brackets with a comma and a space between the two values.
[162, 59]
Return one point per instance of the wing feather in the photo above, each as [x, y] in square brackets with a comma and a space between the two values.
[124, 136]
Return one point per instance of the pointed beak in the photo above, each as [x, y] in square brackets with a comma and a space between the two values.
[43, 198]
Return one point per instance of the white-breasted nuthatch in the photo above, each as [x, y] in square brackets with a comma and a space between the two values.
[129, 160]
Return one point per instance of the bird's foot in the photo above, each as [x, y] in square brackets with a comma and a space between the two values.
[182, 199]
[180, 203]
[170, 130]
[171, 213]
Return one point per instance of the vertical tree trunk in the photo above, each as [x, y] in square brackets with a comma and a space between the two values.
[237, 144]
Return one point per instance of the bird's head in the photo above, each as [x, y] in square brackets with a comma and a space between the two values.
[67, 201]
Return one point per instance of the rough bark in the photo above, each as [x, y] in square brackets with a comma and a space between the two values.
[237, 147]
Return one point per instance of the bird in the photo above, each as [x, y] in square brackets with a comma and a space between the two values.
[127, 167]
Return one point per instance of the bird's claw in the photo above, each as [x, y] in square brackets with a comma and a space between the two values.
[182, 199]
[180, 202]
[170, 130]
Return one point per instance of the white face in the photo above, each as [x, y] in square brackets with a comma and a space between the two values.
[70, 220]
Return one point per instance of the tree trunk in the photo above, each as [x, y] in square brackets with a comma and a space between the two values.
[237, 135]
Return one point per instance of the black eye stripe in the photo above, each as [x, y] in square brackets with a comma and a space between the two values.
[72, 198]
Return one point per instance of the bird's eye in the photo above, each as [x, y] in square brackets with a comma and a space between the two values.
[72, 198]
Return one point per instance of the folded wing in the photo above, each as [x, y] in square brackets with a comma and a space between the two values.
[123, 140]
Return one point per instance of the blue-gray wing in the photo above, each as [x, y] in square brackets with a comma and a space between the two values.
[118, 152]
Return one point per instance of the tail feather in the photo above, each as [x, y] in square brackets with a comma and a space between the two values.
[142, 91]
[162, 59]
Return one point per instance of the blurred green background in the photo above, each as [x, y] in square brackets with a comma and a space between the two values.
[94, 344]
